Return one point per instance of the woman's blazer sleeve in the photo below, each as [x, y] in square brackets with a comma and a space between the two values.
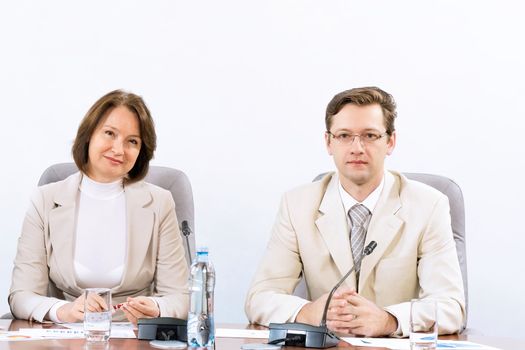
[171, 276]
[30, 280]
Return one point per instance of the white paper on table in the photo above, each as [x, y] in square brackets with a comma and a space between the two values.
[16, 336]
[463, 345]
[404, 344]
[52, 333]
[121, 330]
[242, 333]
[390, 343]
[72, 331]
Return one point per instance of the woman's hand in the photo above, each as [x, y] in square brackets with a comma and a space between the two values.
[140, 307]
[74, 311]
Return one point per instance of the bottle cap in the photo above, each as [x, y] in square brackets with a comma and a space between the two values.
[202, 250]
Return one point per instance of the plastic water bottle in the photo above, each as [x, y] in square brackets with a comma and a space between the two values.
[201, 326]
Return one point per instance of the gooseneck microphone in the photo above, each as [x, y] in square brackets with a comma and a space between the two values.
[186, 231]
[367, 251]
[305, 335]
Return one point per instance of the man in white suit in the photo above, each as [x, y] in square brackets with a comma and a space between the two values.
[322, 227]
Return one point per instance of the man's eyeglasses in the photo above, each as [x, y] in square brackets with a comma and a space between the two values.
[365, 138]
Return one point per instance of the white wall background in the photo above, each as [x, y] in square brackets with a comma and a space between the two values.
[238, 91]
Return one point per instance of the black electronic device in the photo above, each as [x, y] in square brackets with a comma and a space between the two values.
[302, 335]
[305, 335]
[186, 232]
[162, 328]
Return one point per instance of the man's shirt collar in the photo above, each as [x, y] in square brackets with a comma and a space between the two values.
[369, 202]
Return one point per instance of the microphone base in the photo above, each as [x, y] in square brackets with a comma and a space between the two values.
[162, 328]
[302, 335]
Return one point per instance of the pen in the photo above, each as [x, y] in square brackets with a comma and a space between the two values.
[118, 306]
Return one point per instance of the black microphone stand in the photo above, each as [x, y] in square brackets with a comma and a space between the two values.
[186, 231]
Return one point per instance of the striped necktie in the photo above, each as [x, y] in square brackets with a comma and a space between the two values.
[358, 217]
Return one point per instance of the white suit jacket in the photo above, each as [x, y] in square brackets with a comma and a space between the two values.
[155, 263]
[415, 255]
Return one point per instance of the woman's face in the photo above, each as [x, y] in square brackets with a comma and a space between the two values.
[114, 145]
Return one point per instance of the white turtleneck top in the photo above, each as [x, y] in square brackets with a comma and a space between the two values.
[101, 239]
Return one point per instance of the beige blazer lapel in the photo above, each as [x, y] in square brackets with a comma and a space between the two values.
[61, 226]
[333, 226]
[140, 221]
[384, 225]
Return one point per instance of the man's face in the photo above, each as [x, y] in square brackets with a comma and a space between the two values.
[359, 160]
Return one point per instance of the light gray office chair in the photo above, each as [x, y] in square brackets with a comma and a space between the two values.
[170, 179]
[457, 214]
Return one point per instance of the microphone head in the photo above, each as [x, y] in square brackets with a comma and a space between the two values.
[185, 228]
[370, 248]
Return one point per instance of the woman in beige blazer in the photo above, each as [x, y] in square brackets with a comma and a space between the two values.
[59, 253]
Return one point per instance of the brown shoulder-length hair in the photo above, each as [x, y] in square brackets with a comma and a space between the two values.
[364, 96]
[94, 116]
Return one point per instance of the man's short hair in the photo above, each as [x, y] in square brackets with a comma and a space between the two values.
[364, 96]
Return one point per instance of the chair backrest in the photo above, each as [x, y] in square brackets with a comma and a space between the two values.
[170, 179]
[457, 214]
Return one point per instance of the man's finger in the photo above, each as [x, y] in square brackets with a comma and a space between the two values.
[338, 326]
[355, 299]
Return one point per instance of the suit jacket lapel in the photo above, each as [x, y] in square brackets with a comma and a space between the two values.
[62, 223]
[384, 225]
[140, 220]
[333, 226]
